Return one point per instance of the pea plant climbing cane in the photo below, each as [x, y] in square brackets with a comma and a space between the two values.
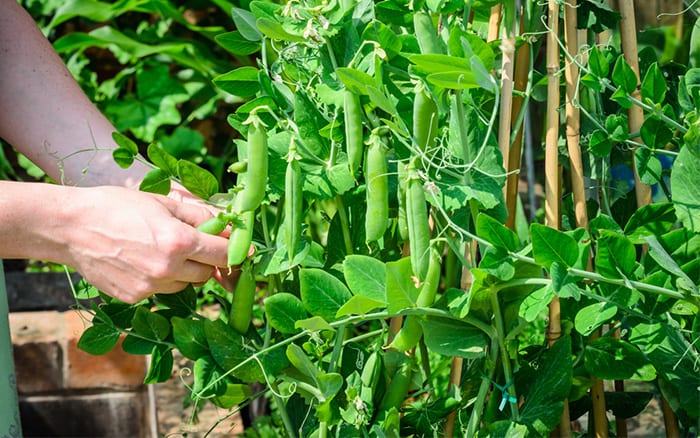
[394, 289]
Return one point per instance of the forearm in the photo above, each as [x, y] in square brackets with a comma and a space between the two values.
[45, 114]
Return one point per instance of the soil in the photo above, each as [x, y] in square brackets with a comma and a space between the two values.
[177, 416]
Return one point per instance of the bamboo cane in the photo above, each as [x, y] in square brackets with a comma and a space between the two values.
[635, 115]
[507, 69]
[573, 124]
[494, 23]
[552, 175]
[522, 69]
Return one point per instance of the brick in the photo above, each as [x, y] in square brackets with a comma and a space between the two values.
[82, 370]
[113, 414]
[37, 351]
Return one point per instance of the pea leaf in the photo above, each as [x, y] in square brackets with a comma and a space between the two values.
[234, 394]
[359, 305]
[648, 166]
[189, 337]
[150, 324]
[654, 84]
[226, 347]
[123, 157]
[655, 133]
[598, 63]
[591, 317]
[600, 143]
[98, 339]
[685, 184]
[401, 290]
[623, 76]
[242, 81]
[546, 396]
[453, 338]
[322, 294]
[245, 23]
[161, 365]
[355, 80]
[534, 304]
[614, 359]
[197, 180]
[156, 181]
[207, 378]
[550, 245]
[283, 310]
[650, 220]
[496, 233]
[616, 256]
[236, 43]
[366, 276]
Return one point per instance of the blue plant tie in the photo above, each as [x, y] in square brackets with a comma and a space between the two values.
[506, 395]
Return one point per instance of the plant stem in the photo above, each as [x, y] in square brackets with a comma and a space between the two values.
[337, 349]
[282, 410]
[345, 226]
[505, 357]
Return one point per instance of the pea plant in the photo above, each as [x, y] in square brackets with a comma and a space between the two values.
[397, 285]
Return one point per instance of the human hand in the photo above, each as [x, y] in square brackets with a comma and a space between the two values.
[132, 244]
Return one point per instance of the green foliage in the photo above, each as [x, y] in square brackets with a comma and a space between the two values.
[321, 332]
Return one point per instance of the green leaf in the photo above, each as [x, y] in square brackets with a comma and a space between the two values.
[161, 365]
[617, 127]
[98, 339]
[366, 276]
[664, 259]
[283, 310]
[546, 396]
[297, 357]
[685, 189]
[454, 80]
[355, 80]
[648, 166]
[563, 284]
[189, 337]
[593, 316]
[616, 256]
[623, 76]
[183, 303]
[156, 181]
[534, 304]
[162, 159]
[600, 143]
[497, 262]
[245, 23]
[275, 31]
[234, 394]
[614, 359]
[401, 290]
[237, 44]
[321, 293]
[136, 345]
[242, 82]
[197, 180]
[313, 324]
[453, 338]
[150, 324]
[123, 157]
[650, 220]
[655, 133]
[550, 245]
[654, 85]
[227, 348]
[359, 305]
[208, 379]
[496, 233]
[598, 63]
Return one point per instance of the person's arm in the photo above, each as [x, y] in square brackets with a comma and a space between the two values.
[126, 243]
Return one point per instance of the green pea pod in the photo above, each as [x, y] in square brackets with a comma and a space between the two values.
[411, 332]
[214, 225]
[254, 189]
[402, 186]
[240, 239]
[293, 204]
[425, 118]
[377, 216]
[243, 300]
[353, 130]
[418, 227]
[372, 370]
[398, 387]
[426, 34]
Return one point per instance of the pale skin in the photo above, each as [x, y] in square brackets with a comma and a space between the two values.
[127, 243]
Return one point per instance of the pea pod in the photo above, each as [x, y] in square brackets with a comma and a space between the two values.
[426, 34]
[254, 189]
[293, 203]
[241, 237]
[243, 300]
[425, 118]
[377, 216]
[353, 129]
[398, 387]
[214, 225]
[418, 227]
[411, 332]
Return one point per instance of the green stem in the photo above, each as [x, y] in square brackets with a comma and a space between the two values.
[480, 403]
[345, 226]
[337, 348]
[282, 410]
[505, 357]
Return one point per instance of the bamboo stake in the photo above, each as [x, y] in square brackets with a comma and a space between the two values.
[552, 176]
[522, 69]
[573, 124]
[494, 23]
[507, 68]
[635, 115]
